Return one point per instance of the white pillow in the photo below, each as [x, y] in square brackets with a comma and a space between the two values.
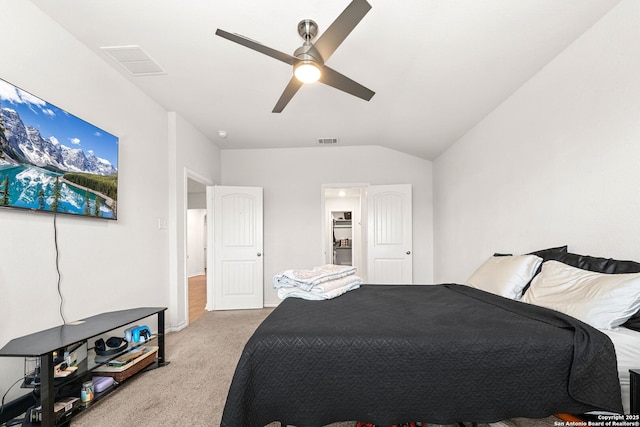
[604, 301]
[505, 275]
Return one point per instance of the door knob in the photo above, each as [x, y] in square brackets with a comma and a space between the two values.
[408, 252]
[259, 254]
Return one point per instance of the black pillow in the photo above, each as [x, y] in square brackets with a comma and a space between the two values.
[599, 265]
[545, 254]
[604, 265]
[551, 253]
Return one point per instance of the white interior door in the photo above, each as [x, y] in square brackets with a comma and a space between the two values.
[389, 234]
[236, 237]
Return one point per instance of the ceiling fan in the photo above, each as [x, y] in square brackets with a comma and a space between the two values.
[308, 61]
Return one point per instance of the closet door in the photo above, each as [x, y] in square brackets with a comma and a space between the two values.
[389, 234]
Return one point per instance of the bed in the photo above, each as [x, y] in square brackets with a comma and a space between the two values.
[440, 353]
[627, 345]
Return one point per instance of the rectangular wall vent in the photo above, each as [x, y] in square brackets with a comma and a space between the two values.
[328, 141]
[134, 59]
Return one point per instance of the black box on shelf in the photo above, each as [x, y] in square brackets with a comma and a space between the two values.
[62, 408]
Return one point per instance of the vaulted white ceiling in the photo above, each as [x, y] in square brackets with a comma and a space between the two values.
[437, 66]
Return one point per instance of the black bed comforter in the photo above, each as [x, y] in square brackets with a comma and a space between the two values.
[437, 353]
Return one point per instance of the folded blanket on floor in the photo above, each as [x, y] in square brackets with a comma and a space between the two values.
[307, 279]
[326, 290]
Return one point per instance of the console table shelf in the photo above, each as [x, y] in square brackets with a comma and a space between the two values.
[45, 343]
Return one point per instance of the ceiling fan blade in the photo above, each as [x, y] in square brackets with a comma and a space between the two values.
[289, 91]
[252, 44]
[329, 41]
[339, 81]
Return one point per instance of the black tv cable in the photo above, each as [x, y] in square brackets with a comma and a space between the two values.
[55, 242]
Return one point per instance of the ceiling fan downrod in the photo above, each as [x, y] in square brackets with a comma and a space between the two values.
[307, 29]
[307, 54]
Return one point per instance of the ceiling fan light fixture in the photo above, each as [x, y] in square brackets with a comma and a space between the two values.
[308, 60]
[307, 71]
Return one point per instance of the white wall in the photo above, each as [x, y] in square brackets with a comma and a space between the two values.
[104, 265]
[192, 155]
[293, 217]
[556, 163]
[197, 200]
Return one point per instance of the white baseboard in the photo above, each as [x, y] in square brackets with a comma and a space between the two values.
[177, 328]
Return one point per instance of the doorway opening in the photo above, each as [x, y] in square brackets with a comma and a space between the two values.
[196, 248]
[342, 229]
[344, 239]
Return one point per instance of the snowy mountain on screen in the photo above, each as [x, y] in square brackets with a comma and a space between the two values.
[25, 144]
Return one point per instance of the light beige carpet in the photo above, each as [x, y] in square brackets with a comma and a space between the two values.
[192, 389]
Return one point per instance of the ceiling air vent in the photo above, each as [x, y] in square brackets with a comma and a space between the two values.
[327, 141]
[134, 59]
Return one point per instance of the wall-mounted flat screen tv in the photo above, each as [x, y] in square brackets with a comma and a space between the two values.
[53, 161]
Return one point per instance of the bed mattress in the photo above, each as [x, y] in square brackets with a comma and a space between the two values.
[627, 347]
[439, 353]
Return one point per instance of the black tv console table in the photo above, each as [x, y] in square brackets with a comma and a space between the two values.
[45, 343]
